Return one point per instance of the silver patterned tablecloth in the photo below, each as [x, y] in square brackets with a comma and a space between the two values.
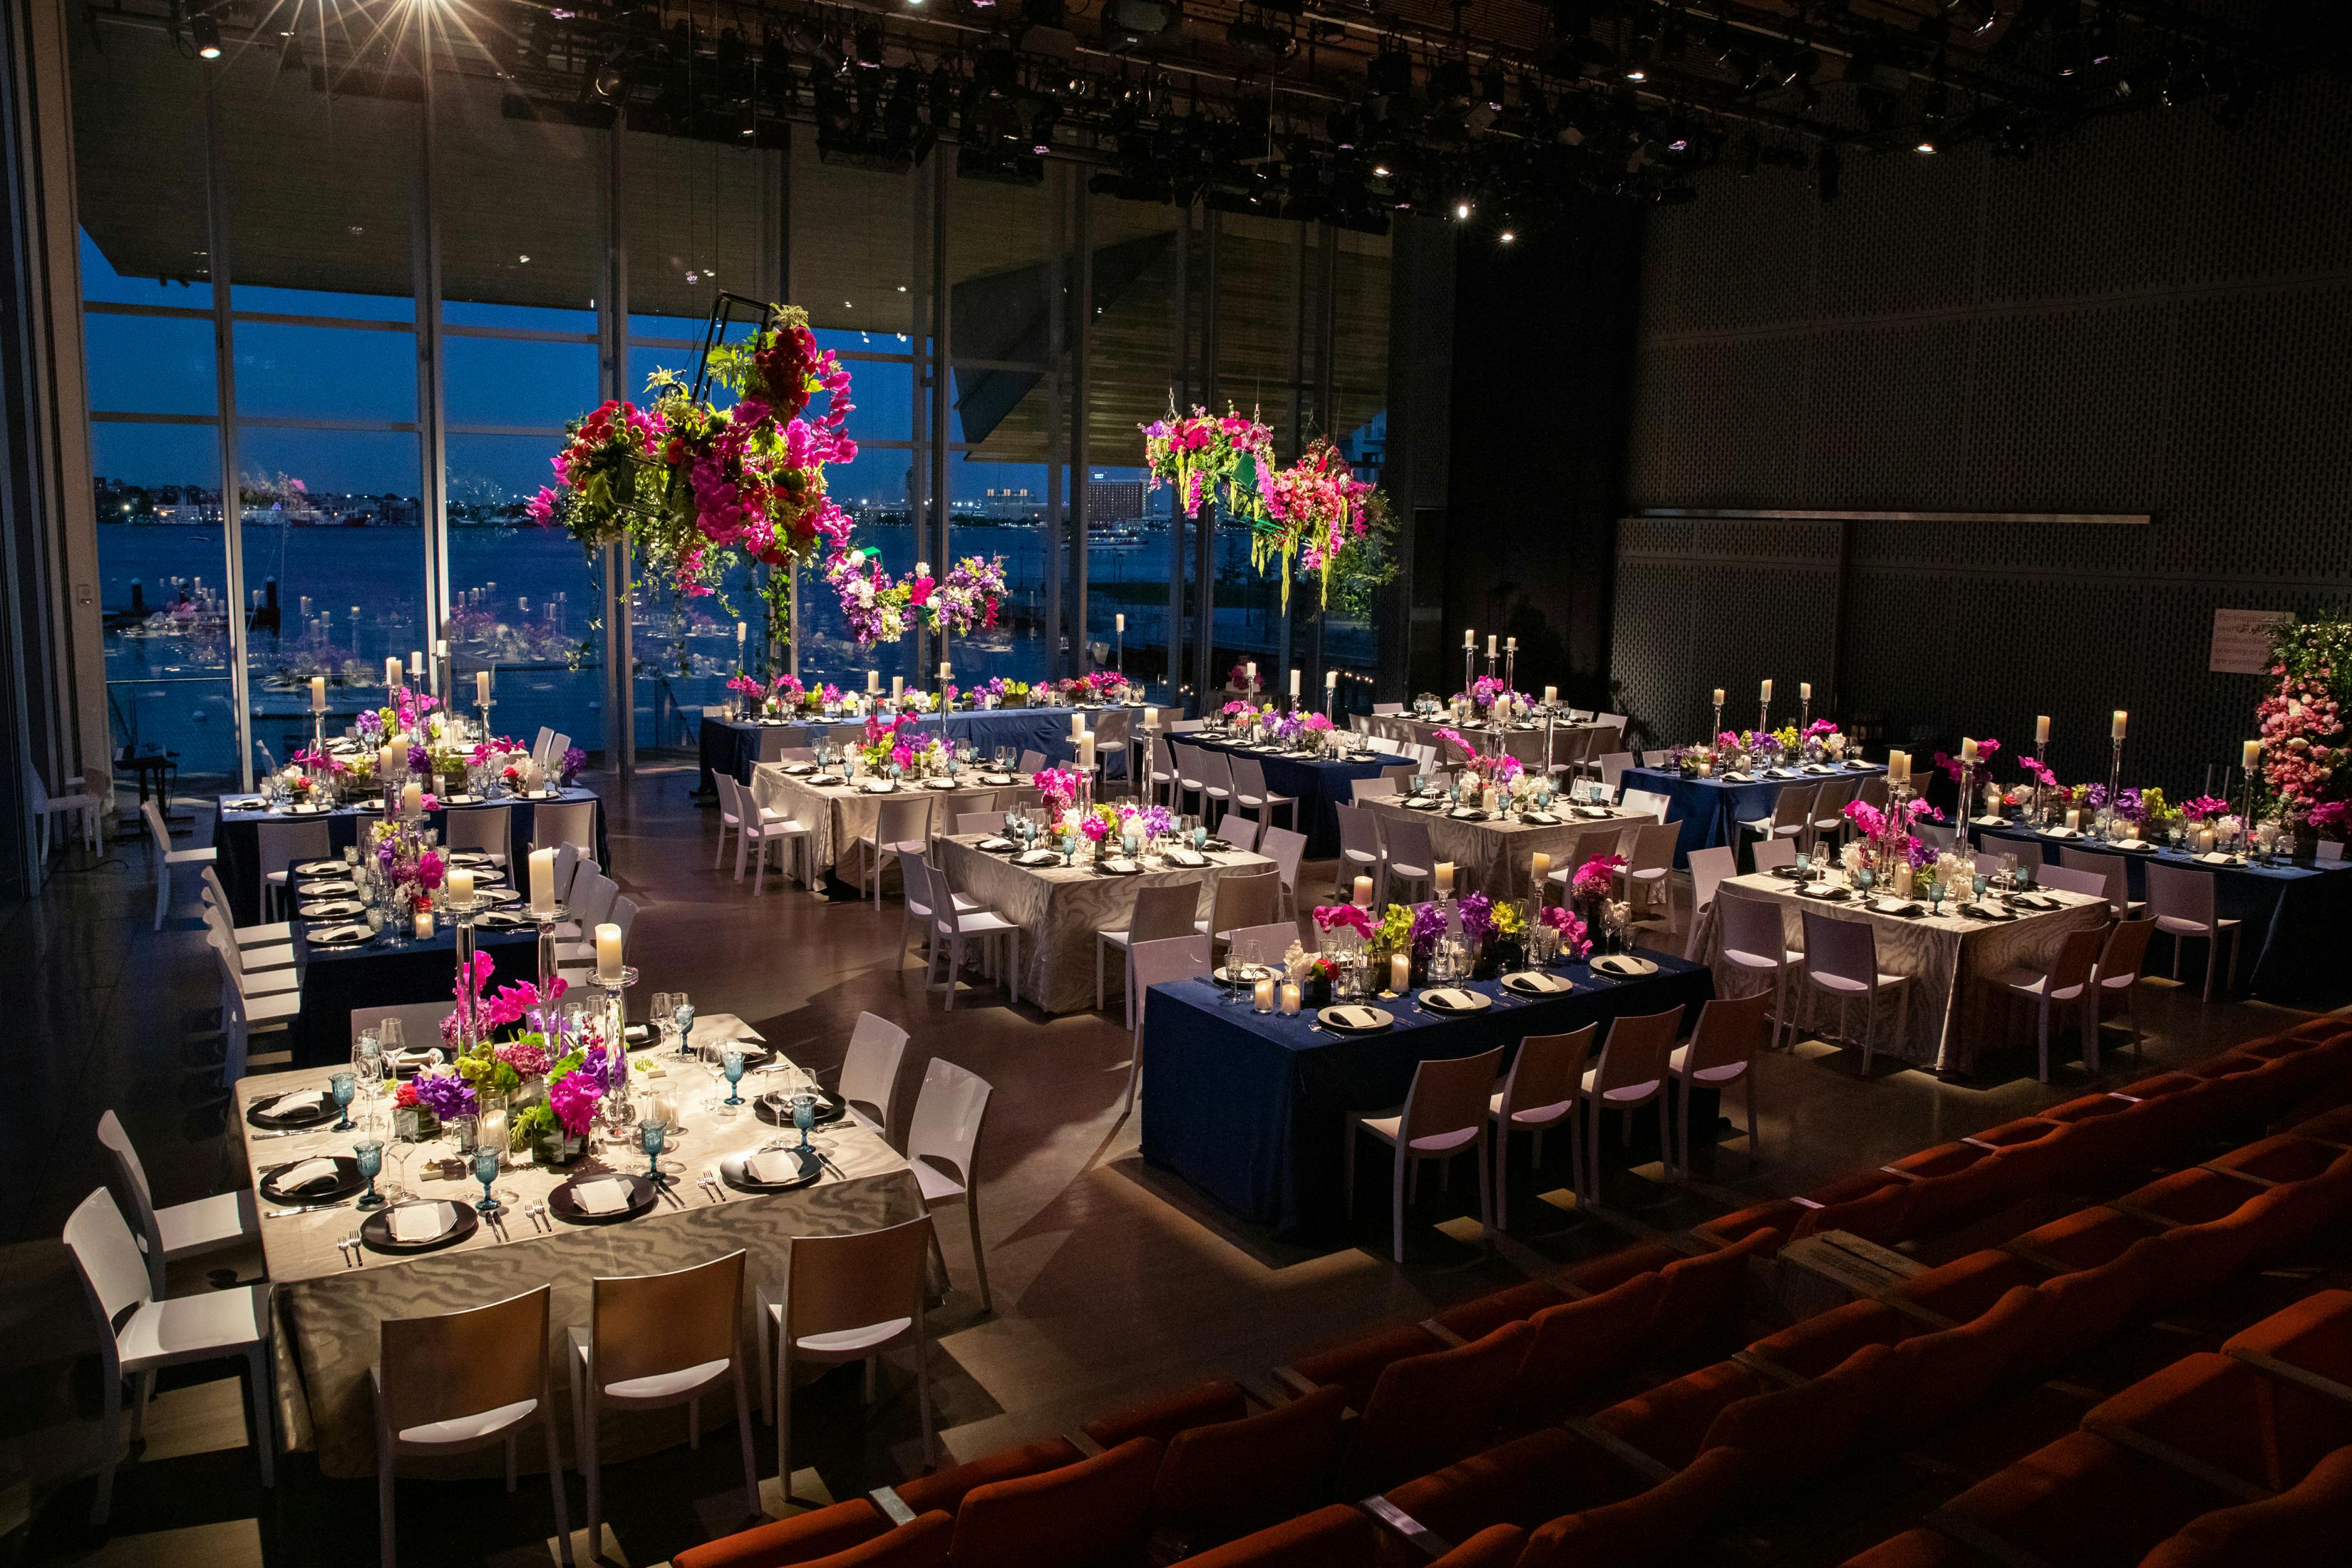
[837, 815]
[1494, 857]
[1059, 910]
[329, 1312]
[1954, 1017]
[1524, 741]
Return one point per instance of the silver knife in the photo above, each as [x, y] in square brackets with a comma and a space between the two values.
[302, 1208]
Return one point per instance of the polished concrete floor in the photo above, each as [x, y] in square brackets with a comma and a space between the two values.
[1110, 1280]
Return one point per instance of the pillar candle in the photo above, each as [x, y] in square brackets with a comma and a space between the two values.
[384, 765]
[1510, 644]
[1290, 997]
[391, 672]
[608, 953]
[1490, 645]
[1249, 671]
[898, 687]
[874, 681]
[1151, 717]
[318, 694]
[461, 884]
[1264, 991]
[947, 670]
[741, 632]
[1551, 696]
[423, 925]
[1293, 681]
[2122, 718]
[1399, 973]
[411, 798]
[1805, 690]
[481, 686]
[1718, 697]
[1766, 693]
[2041, 729]
[1363, 892]
[542, 882]
[417, 664]
[1967, 750]
[441, 647]
[1898, 768]
[1118, 623]
[1330, 680]
[1539, 868]
[1077, 725]
[1903, 878]
[1086, 751]
[2252, 758]
[2204, 840]
[1489, 801]
[1469, 640]
[1444, 875]
[2074, 819]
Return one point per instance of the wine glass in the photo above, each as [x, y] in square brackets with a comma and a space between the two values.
[730, 1062]
[485, 1171]
[343, 1085]
[651, 1135]
[404, 1152]
[369, 1153]
[663, 1004]
[684, 1016]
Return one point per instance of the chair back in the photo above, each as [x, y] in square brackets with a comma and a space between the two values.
[1168, 959]
[949, 1110]
[1634, 1062]
[971, 822]
[570, 822]
[1771, 852]
[2127, 948]
[1843, 950]
[1427, 1411]
[643, 1325]
[1285, 850]
[592, 899]
[1215, 770]
[867, 1278]
[1240, 831]
[1936, 836]
[2113, 872]
[569, 860]
[934, 891]
[1449, 1094]
[1875, 790]
[1549, 1072]
[1249, 778]
[1031, 762]
[1382, 787]
[1244, 901]
[1187, 765]
[1731, 1030]
[1261, 943]
[2179, 895]
[538, 746]
[1408, 845]
[420, 1022]
[1360, 835]
[1385, 708]
[112, 1268]
[1793, 807]
[277, 845]
[1613, 765]
[2073, 879]
[1163, 910]
[870, 1069]
[1111, 731]
[481, 828]
[1828, 807]
[623, 914]
[1654, 848]
[1709, 867]
[904, 822]
[797, 754]
[462, 1364]
[155, 828]
[772, 742]
[2071, 970]
[140, 1196]
[1163, 758]
[1649, 803]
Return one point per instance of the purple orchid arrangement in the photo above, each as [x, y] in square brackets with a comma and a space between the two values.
[574, 759]
[1428, 925]
[1478, 917]
[447, 1094]
[368, 728]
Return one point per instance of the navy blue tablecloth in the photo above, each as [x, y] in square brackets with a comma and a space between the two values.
[2297, 915]
[730, 746]
[1710, 810]
[1320, 785]
[386, 972]
[1253, 1109]
[239, 840]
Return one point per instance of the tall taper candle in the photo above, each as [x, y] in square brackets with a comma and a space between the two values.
[481, 686]
[2252, 757]
[1293, 683]
[2041, 729]
[1766, 694]
[318, 694]
[2121, 720]
[542, 882]
[608, 953]
[417, 664]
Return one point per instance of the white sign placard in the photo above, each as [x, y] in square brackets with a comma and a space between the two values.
[2241, 640]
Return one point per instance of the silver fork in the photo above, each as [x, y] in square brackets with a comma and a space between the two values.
[358, 1252]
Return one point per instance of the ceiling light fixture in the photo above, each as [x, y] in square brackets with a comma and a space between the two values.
[206, 31]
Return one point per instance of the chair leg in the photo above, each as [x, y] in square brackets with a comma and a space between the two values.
[1682, 1161]
[1404, 1160]
[585, 1415]
[1486, 1192]
[1134, 1071]
[265, 1431]
[555, 1488]
[743, 1430]
[1348, 1171]
[784, 1408]
[923, 1384]
[386, 1554]
[164, 891]
[1101, 980]
[979, 1253]
[104, 1502]
[2212, 961]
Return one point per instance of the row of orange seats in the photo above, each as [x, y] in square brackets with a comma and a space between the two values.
[2226, 1460]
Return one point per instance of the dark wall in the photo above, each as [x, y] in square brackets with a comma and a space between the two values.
[2153, 315]
[1543, 344]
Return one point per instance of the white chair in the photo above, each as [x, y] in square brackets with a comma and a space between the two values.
[1252, 794]
[1388, 708]
[1285, 850]
[1771, 852]
[264, 968]
[78, 807]
[1150, 964]
[2182, 901]
[1709, 867]
[279, 846]
[1649, 869]
[1792, 817]
[247, 1008]
[1631, 1073]
[139, 1335]
[1260, 944]
[1445, 1113]
[274, 935]
[539, 743]
[771, 745]
[2073, 879]
[424, 1406]
[1215, 783]
[2113, 870]
[1238, 902]
[165, 857]
[952, 925]
[845, 1297]
[868, 1085]
[621, 911]
[1612, 766]
[1841, 961]
[2118, 972]
[1031, 762]
[758, 826]
[489, 828]
[177, 1230]
[1161, 912]
[564, 822]
[1539, 1092]
[971, 822]
[902, 823]
[1405, 857]
[1829, 810]
[654, 1342]
[1649, 803]
[2067, 982]
[943, 1147]
[1163, 774]
[1754, 942]
[916, 904]
[1240, 831]
[1720, 1052]
[1381, 787]
[591, 899]
[1360, 848]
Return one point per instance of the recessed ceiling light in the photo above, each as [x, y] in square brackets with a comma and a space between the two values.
[1381, 170]
[1507, 236]
[1925, 147]
[523, 259]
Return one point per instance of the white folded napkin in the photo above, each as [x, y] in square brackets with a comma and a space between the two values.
[774, 1165]
[301, 1102]
[2215, 857]
[310, 1176]
[1119, 863]
[607, 1194]
[1450, 996]
[1357, 1017]
[1535, 980]
[412, 1223]
[1185, 857]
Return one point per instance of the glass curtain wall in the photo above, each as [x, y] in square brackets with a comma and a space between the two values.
[367, 464]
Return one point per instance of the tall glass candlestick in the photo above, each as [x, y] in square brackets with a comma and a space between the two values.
[1511, 667]
[1763, 719]
[616, 1037]
[548, 919]
[1711, 734]
[2114, 784]
[2041, 769]
[1804, 718]
[464, 914]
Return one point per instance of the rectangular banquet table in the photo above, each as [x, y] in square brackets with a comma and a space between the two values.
[1711, 809]
[1524, 740]
[1060, 909]
[1955, 1019]
[327, 1310]
[2296, 913]
[1492, 857]
[837, 815]
[1320, 784]
[239, 838]
[1252, 1108]
[732, 746]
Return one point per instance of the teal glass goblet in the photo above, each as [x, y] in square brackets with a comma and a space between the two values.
[343, 1085]
[651, 1136]
[1977, 884]
[485, 1171]
[369, 1153]
[730, 1062]
[804, 1116]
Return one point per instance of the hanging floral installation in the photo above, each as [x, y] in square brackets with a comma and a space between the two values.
[1207, 459]
[880, 608]
[1314, 509]
[695, 488]
[2303, 725]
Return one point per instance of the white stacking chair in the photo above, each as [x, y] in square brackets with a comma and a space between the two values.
[1360, 848]
[246, 1008]
[916, 905]
[1720, 1052]
[772, 746]
[903, 823]
[1405, 856]
[654, 1342]
[1260, 944]
[1649, 803]
[1631, 1073]
[2182, 902]
[2114, 872]
[1239, 831]
[1285, 850]
[139, 1335]
[1251, 792]
[1161, 911]
[2073, 879]
[1031, 761]
[564, 822]
[277, 846]
[2067, 982]
[621, 911]
[422, 1410]
[1541, 1090]
[1388, 708]
[1215, 784]
[971, 822]
[1792, 817]
[177, 1230]
[1380, 786]
[845, 1297]
[1150, 964]
[1771, 852]
[265, 968]
[953, 925]
[943, 1148]
[1842, 962]
[1649, 869]
[1828, 810]
[1160, 771]
[78, 807]
[2118, 972]
[538, 745]
[868, 1085]
[1709, 867]
[1754, 942]
[758, 826]
[489, 828]
[1445, 1113]
[275, 933]
[1238, 902]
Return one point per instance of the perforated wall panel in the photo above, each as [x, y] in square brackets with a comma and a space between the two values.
[2153, 314]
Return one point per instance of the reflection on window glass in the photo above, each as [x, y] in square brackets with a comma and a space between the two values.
[516, 382]
[526, 601]
[520, 219]
[1131, 352]
[853, 260]
[139, 364]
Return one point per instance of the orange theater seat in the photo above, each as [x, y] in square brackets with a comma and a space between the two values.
[1818, 1344]
[1916, 1549]
[1080, 1516]
[2310, 1524]
[1702, 1296]
[1779, 1213]
[1525, 1482]
[2081, 1501]
[1430, 1410]
[2313, 1337]
[1334, 1537]
[1793, 1434]
[2190, 1198]
[2080, 1310]
[1475, 1319]
[2083, 1239]
[1967, 1286]
[1200, 1405]
[2329, 1126]
[1357, 1365]
[1939, 1376]
[922, 1542]
[1653, 1526]
[1496, 1546]
[1577, 1346]
[1670, 1423]
[1219, 1481]
[2283, 1157]
[1595, 1275]
[2227, 1418]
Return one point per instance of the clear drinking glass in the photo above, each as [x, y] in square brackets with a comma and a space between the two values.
[684, 1017]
